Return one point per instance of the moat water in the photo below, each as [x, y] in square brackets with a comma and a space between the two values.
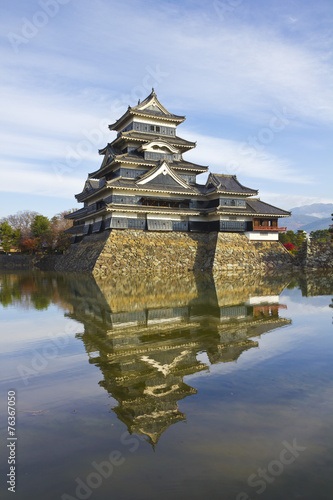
[158, 388]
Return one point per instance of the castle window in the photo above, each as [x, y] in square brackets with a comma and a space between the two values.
[232, 202]
[145, 127]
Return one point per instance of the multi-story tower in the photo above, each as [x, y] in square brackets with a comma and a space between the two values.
[144, 183]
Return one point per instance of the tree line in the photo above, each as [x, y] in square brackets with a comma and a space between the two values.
[293, 241]
[31, 232]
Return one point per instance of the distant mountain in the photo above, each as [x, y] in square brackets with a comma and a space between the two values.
[310, 217]
[319, 224]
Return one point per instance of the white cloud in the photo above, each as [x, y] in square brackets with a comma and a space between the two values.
[71, 79]
[238, 158]
[230, 67]
[30, 181]
[45, 113]
[47, 149]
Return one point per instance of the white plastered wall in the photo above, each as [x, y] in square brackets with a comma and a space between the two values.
[262, 235]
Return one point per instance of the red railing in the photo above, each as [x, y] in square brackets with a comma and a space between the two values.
[269, 228]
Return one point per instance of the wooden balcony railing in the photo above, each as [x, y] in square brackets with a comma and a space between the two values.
[269, 228]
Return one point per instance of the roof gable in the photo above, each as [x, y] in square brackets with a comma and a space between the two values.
[163, 176]
[222, 183]
[151, 103]
[149, 107]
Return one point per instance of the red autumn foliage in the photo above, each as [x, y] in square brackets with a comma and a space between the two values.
[29, 245]
[289, 246]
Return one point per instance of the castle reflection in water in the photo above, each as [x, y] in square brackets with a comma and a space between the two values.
[146, 335]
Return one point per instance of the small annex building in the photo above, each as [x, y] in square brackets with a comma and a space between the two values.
[144, 183]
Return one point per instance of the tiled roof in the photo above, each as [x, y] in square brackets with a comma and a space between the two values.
[260, 207]
[253, 207]
[150, 107]
[135, 159]
[228, 183]
[77, 214]
[181, 164]
[148, 137]
[90, 187]
[119, 182]
[188, 165]
[150, 112]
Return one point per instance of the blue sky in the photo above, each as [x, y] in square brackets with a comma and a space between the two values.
[254, 79]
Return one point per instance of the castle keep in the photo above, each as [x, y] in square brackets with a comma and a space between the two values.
[145, 184]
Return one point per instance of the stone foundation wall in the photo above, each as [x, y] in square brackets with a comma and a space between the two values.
[316, 256]
[131, 252]
[235, 252]
[82, 257]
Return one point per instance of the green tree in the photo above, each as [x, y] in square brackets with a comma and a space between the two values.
[21, 220]
[300, 237]
[40, 226]
[8, 236]
[288, 237]
[41, 229]
[321, 235]
[296, 239]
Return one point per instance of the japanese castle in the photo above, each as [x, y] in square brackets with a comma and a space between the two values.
[145, 184]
